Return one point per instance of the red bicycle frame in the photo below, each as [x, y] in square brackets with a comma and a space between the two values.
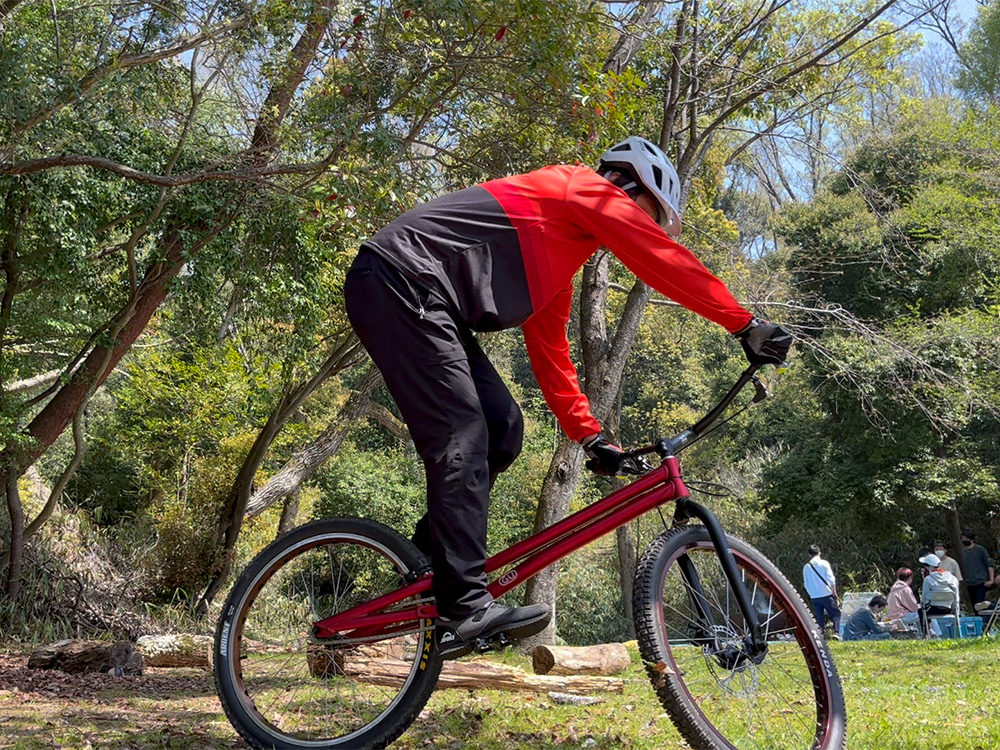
[657, 487]
[383, 616]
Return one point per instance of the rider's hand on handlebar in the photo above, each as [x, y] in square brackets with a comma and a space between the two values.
[605, 457]
[764, 343]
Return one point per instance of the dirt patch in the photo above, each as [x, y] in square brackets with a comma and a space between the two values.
[164, 708]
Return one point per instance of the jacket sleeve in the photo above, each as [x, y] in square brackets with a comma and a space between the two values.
[607, 213]
[548, 350]
[828, 569]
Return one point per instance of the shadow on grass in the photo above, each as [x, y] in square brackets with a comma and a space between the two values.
[107, 725]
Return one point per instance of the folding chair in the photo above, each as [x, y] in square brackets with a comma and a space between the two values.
[994, 619]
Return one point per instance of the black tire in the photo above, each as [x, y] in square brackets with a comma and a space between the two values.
[718, 699]
[280, 690]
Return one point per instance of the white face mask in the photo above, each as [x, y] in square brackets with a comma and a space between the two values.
[940, 553]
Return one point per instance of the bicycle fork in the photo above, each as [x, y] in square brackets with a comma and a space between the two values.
[754, 645]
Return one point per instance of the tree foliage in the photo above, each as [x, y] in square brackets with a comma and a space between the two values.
[182, 189]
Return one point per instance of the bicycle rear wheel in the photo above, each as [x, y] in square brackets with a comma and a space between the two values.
[719, 696]
[280, 687]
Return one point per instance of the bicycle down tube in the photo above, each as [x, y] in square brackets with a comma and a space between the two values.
[657, 487]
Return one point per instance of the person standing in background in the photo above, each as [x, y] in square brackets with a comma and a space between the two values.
[978, 567]
[948, 563]
[821, 585]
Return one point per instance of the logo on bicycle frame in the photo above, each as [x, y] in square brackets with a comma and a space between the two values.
[508, 578]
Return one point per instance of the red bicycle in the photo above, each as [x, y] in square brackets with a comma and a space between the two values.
[326, 640]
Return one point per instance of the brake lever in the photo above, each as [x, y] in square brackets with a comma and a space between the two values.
[635, 466]
[762, 388]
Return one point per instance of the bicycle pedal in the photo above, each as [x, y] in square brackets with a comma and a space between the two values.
[497, 642]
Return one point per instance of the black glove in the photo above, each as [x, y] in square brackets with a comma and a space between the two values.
[605, 457]
[764, 343]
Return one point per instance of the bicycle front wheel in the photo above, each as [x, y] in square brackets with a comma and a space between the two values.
[692, 634]
[281, 687]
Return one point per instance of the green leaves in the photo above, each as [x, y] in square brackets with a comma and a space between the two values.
[904, 243]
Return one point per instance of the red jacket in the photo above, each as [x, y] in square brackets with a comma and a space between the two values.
[505, 254]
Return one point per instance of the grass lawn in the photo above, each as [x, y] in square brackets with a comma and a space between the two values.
[910, 695]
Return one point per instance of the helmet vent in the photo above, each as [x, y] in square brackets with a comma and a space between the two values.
[658, 176]
[622, 147]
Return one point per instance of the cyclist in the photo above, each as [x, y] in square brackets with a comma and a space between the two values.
[493, 256]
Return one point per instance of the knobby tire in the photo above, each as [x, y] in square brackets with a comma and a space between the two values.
[282, 689]
[719, 700]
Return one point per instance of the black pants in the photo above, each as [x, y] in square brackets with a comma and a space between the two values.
[977, 593]
[465, 425]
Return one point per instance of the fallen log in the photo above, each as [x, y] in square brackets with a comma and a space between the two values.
[605, 659]
[119, 658]
[177, 650]
[325, 661]
[480, 674]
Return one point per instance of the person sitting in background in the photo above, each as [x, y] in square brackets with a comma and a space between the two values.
[863, 625]
[902, 603]
[939, 594]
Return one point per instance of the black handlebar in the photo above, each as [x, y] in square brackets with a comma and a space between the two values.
[670, 446]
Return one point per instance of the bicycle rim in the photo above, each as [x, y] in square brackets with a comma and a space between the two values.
[291, 690]
[718, 696]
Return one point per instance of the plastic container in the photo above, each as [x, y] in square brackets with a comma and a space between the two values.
[971, 627]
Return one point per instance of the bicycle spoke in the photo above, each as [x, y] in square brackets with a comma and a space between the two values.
[769, 705]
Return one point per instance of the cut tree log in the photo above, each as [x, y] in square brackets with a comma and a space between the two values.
[479, 675]
[177, 650]
[120, 657]
[325, 661]
[604, 659]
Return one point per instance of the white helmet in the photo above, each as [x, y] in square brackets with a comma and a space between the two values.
[653, 169]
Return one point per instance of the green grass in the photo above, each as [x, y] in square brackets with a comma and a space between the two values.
[905, 695]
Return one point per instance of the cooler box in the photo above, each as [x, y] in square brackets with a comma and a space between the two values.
[971, 627]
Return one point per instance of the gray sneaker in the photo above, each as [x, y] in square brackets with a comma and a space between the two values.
[456, 638]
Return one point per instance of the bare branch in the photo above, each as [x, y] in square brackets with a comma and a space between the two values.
[246, 174]
[36, 381]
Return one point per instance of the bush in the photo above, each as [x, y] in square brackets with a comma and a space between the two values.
[385, 485]
[185, 556]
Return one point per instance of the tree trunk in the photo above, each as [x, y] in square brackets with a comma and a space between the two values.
[557, 491]
[625, 540]
[604, 366]
[564, 469]
[624, 536]
[953, 523]
[305, 461]
[16, 513]
[234, 509]
[604, 659]
[289, 511]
